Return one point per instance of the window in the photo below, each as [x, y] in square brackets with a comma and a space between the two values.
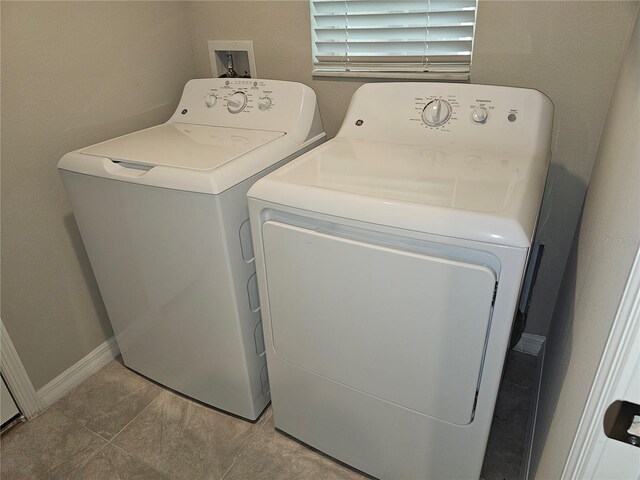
[393, 38]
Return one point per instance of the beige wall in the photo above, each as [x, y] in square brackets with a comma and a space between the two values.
[72, 74]
[569, 50]
[601, 257]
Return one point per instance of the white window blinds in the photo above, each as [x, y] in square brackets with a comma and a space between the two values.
[393, 38]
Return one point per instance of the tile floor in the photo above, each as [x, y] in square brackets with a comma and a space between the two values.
[118, 425]
[505, 449]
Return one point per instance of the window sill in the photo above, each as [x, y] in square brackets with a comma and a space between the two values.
[457, 76]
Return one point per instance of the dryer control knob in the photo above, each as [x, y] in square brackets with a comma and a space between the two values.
[236, 102]
[264, 103]
[479, 115]
[436, 113]
[210, 100]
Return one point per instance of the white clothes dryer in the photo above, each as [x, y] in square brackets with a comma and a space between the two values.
[390, 261]
[164, 218]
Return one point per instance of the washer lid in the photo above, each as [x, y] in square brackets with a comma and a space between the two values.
[467, 194]
[194, 147]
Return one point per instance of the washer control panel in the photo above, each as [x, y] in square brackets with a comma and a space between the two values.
[250, 103]
[240, 95]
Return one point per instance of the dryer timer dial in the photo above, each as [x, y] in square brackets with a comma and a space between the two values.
[436, 112]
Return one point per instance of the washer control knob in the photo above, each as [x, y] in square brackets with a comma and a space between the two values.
[264, 103]
[436, 112]
[479, 115]
[236, 102]
[210, 100]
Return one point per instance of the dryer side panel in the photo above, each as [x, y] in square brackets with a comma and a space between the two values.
[401, 326]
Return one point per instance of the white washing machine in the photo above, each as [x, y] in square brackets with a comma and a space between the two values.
[390, 261]
[164, 218]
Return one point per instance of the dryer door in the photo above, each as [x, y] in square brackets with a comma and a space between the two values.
[405, 327]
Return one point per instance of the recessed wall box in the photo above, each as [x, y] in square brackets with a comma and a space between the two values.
[243, 58]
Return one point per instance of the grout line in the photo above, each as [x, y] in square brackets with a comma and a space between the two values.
[165, 475]
[235, 460]
[91, 457]
[133, 419]
[96, 434]
[88, 459]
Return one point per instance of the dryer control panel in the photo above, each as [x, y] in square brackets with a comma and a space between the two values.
[479, 117]
[437, 111]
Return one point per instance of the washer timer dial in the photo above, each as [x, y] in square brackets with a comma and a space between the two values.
[236, 102]
[436, 112]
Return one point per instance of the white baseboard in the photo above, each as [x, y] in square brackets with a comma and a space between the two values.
[76, 374]
[530, 344]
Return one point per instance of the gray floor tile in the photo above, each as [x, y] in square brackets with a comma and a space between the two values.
[505, 448]
[49, 441]
[186, 440]
[111, 463]
[109, 399]
[273, 456]
[521, 369]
